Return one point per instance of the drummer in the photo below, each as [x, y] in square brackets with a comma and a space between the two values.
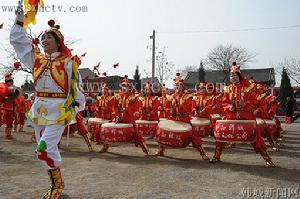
[125, 109]
[9, 108]
[148, 103]
[164, 103]
[266, 109]
[181, 110]
[238, 103]
[218, 96]
[104, 106]
[204, 100]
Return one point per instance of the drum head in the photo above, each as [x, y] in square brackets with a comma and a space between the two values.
[174, 126]
[270, 122]
[215, 116]
[260, 121]
[97, 120]
[236, 121]
[145, 122]
[200, 122]
[116, 125]
[163, 119]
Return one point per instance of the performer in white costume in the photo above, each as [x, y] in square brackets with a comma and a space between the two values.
[58, 98]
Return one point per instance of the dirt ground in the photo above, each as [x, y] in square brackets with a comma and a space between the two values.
[125, 172]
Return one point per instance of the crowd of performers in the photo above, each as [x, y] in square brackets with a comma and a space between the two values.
[13, 111]
[241, 112]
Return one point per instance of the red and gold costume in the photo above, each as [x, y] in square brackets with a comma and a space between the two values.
[9, 108]
[149, 105]
[266, 109]
[21, 110]
[126, 110]
[104, 109]
[217, 107]
[164, 104]
[239, 103]
[104, 105]
[203, 103]
[181, 109]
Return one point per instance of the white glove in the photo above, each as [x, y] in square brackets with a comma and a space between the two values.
[19, 12]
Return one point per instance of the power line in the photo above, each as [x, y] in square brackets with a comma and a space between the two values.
[234, 30]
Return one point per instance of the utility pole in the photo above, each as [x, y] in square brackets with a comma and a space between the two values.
[153, 56]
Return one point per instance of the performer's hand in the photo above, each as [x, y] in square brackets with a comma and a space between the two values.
[195, 113]
[19, 12]
[117, 120]
[255, 112]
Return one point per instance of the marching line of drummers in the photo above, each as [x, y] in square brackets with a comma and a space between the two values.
[244, 112]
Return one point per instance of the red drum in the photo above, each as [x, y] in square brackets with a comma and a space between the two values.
[235, 130]
[201, 126]
[146, 127]
[94, 125]
[117, 132]
[71, 127]
[261, 126]
[271, 126]
[174, 133]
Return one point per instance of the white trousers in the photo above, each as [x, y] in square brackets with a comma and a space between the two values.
[48, 138]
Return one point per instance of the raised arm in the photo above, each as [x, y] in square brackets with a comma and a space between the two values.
[20, 40]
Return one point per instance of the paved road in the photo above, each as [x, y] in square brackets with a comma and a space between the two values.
[125, 172]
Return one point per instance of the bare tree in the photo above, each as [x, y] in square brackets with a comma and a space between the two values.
[164, 68]
[291, 66]
[221, 57]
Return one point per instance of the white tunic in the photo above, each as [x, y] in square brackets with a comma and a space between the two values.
[44, 111]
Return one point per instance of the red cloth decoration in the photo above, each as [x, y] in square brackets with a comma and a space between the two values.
[116, 65]
[17, 65]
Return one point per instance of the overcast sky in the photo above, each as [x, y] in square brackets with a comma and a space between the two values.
[114, 31]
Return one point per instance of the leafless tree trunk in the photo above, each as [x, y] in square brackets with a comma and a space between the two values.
[221, 57]
[164, 68]
[292, 67]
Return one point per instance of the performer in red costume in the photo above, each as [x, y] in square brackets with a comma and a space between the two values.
[181, 109]
[1, 114]
[239, 102]
[149, 104]
[266, 109]
[126, 110]
[9, 106]
[104, 108]
[218, 97]
[164, 103]
[20, 113]
[203, 101]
